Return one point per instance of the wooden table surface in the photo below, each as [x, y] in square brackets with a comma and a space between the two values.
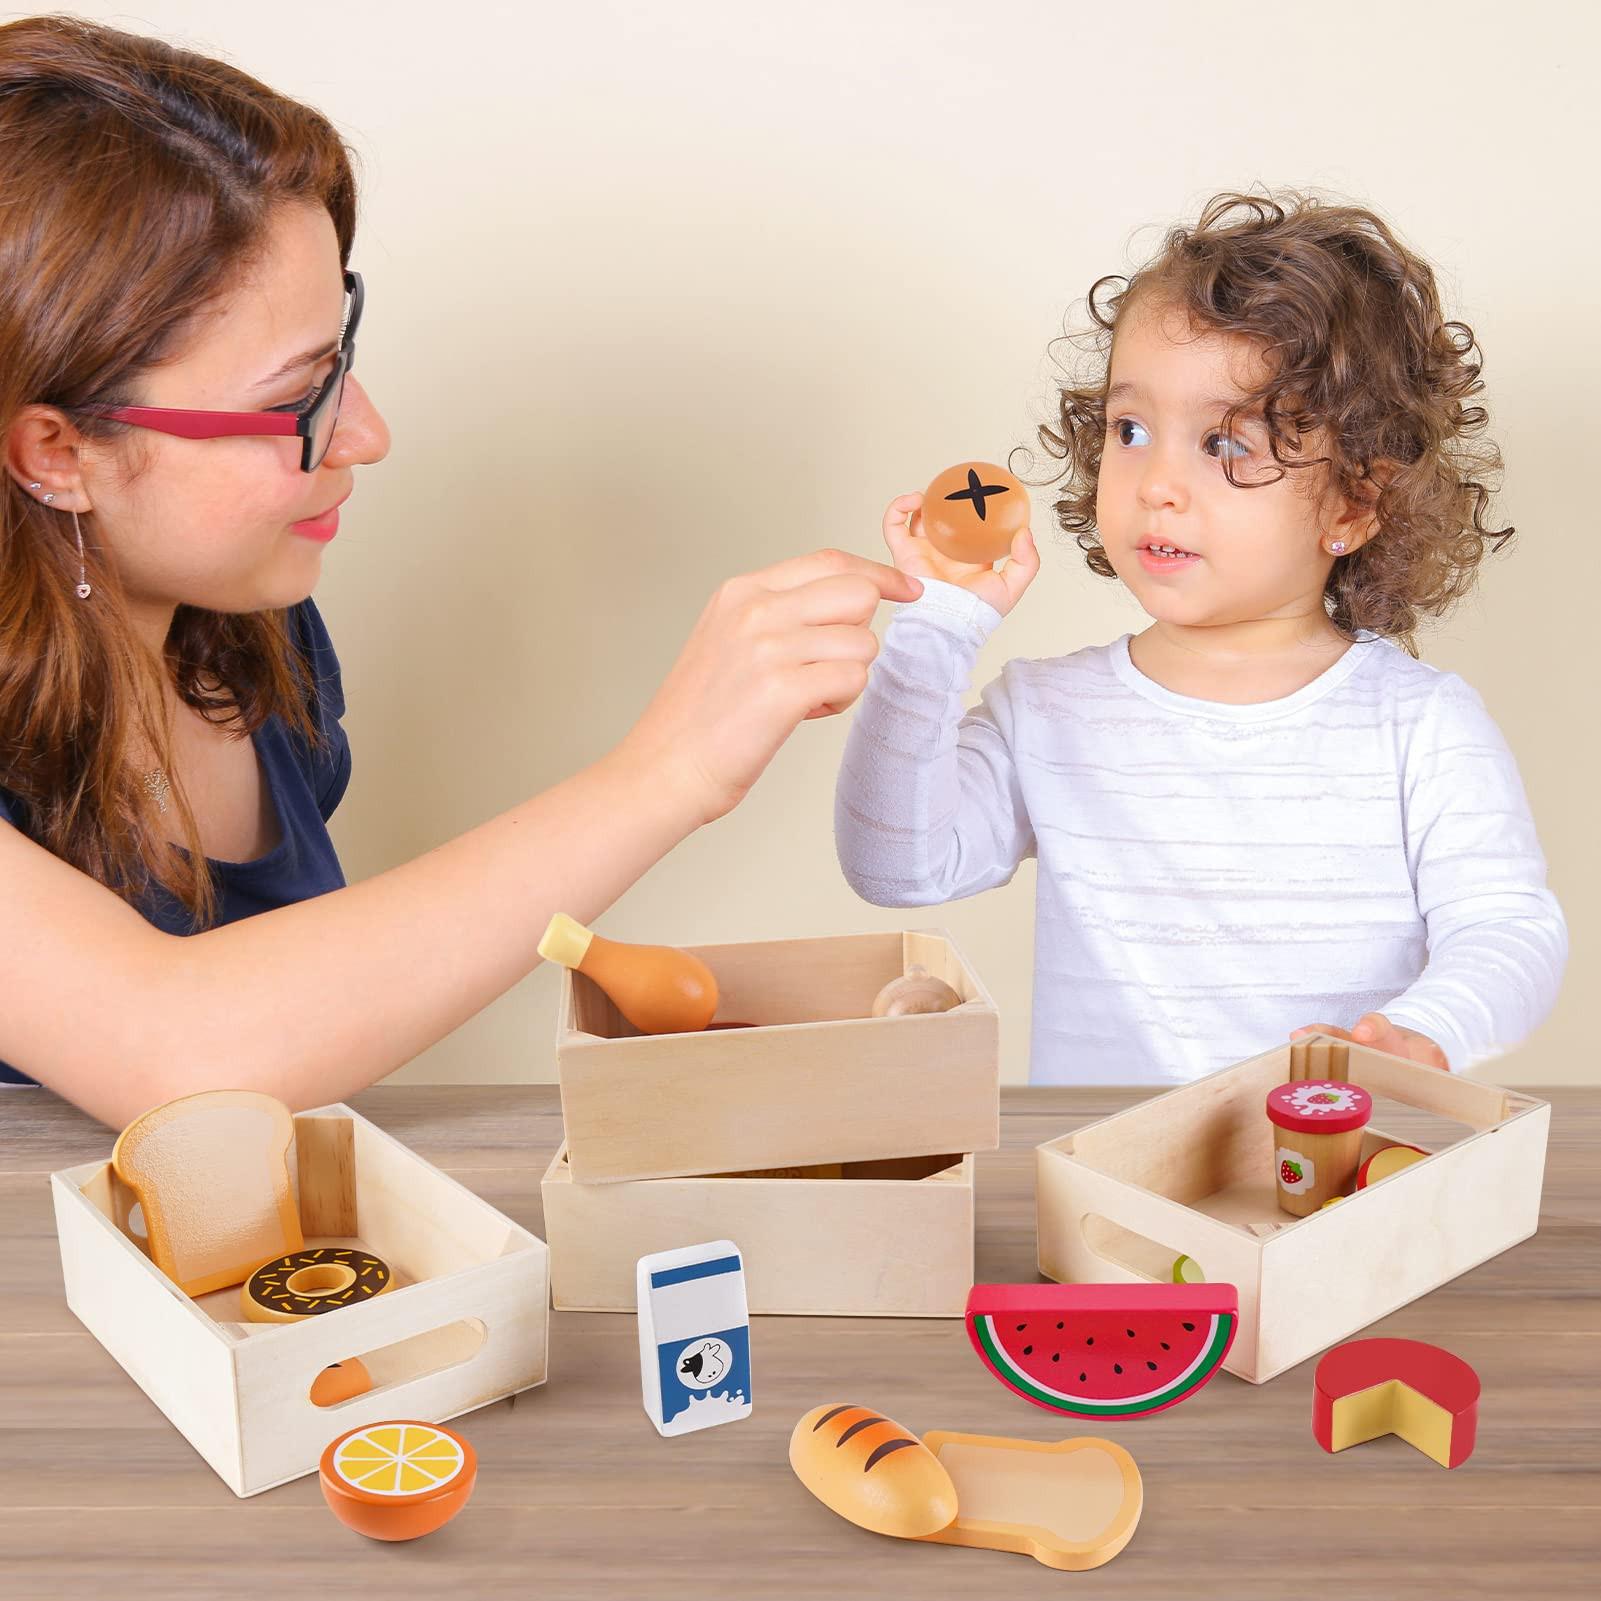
[578, 1497]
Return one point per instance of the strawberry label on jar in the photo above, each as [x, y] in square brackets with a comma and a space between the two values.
[1297, 1173]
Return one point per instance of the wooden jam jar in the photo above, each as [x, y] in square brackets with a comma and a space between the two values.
[1317, 1129]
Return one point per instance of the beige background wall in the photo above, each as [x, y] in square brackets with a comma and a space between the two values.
[657, 293]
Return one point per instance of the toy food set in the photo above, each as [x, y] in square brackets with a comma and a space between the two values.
[1102, 1350]
[972, 512]
[694, 1337]
[397, 1480]
[1193, 1172]
[211, 1175]
[1318, 1140]
[384, 1285]
[816, 1078]
[1424, 1394]
[658, 989]
[1073, 1504]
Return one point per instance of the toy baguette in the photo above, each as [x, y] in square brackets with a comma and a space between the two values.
[870, 1471]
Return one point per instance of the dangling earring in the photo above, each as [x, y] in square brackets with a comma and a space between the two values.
[84, 590]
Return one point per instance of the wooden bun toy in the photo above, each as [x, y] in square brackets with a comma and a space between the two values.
[1407, 1387]
[871, 1471]
[1103, 1350]
[397, 1480]
[658, 989]
[915, 992]
[340, 1381]
[1317, 1126]
[972, 512]
[1072, 1505]
[309, 1282]
[211, 1175]
[1390, 1159]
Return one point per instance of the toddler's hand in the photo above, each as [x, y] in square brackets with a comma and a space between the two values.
[914, 555]
[1375, 1029]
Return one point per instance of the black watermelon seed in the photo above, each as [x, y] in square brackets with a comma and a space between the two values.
[1151, 1366]
[1021, 1327]
[1090, 1340]
[1117, 1367]
[1028, 1350]
[1165, 1346]
[1189, 1328]
[1056, 1356]
[1129, 1332]
[1083, 1378]
[1058, 1325]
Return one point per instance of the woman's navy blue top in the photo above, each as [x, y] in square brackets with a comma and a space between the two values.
[306, 783]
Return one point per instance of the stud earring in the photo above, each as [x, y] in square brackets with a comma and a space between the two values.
[1337, 547]
[35, 485]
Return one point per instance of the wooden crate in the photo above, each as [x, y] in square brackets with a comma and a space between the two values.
[890, 1238]
[1191, 1172]
[816, 1080]
[467, 1323]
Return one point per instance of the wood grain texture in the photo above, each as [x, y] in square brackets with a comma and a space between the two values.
[577, 1496]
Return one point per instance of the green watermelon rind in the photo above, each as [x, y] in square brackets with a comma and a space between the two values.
[1210, 1355]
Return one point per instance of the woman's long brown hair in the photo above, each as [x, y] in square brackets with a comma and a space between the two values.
[139, 183]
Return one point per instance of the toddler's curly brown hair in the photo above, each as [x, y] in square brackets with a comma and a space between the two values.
[1357, 345]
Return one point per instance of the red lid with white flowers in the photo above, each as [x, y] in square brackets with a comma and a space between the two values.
[1319, 1107]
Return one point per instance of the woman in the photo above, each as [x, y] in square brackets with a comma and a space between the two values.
[179, 321]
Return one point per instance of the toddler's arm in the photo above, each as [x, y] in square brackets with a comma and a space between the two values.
[1497, 939]
[928, 806]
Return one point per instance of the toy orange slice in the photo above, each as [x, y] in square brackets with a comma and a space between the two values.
[398, 1480]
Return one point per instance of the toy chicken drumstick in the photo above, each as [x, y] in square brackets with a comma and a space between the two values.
[658, 989]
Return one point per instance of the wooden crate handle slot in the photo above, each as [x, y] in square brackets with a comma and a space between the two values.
[1132, 1252]
[389, 1366]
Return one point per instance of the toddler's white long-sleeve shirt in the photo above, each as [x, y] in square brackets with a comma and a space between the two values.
[1211, 876]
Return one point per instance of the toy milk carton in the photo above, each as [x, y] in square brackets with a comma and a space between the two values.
[694, 1337]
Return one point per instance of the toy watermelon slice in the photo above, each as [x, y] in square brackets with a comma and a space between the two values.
[1103, 1350]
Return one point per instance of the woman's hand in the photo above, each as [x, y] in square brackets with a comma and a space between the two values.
[1375, 1029]
[913, 554]
[771, 650]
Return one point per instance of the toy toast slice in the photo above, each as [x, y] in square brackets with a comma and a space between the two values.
[1073, 1504]
[211, 1172]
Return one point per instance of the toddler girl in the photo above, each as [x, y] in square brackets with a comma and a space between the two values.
[1261, 814]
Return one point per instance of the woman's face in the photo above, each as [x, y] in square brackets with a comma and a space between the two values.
[211, 522]
[1249, 553]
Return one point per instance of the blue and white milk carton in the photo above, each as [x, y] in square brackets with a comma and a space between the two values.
[694, 1337]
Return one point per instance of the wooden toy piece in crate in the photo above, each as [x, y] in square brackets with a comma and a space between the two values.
[1192, 1172]
[815, 1078]
[467, 1323]
[891, 1238]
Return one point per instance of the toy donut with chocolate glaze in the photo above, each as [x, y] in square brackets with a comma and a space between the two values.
[322, 1278]
[973, 512]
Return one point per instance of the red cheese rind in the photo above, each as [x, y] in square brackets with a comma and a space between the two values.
[1433, 1372]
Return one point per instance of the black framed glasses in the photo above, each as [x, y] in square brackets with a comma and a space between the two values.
[313, 426]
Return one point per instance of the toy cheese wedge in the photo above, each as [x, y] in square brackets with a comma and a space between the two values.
[1073, 1504]
[1407, 1387]
[211, 1172]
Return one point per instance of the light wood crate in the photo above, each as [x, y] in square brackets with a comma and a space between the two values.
[816, 1080]
[1191, 1172]
[466, 1324]
[891, 1238]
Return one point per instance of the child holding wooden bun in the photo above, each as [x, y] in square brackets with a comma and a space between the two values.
[1261, 814]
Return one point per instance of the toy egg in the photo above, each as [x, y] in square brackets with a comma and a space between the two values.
[972, 512]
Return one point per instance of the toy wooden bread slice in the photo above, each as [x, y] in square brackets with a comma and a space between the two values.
[658, 989]
[211, 1173]
[972, 512]
[1407, 1387]
[1070, 1505]
[871, 1471]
